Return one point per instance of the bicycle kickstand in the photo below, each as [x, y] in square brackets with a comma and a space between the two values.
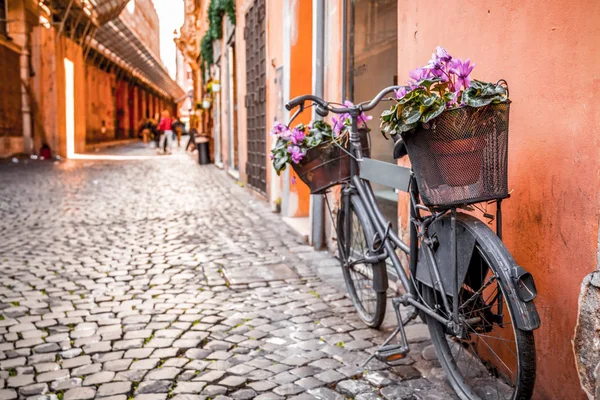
[393, 354]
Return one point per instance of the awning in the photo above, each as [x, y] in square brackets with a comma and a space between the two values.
[118, 39]
[114, 40]
[107, 10]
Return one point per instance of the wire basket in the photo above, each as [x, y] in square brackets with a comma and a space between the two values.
[461, 157]
[327, 164]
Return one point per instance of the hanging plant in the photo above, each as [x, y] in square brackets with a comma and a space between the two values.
[216, 10]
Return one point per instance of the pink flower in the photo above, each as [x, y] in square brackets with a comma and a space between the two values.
[462, 70]
[296, 153]
[401, 92]
[278, 129]
[293, 180]
[296, 136]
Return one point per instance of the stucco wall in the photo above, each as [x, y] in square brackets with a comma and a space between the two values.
[548, 53]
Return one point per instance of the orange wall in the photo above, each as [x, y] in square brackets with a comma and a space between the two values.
[300, 83]
[548, 53]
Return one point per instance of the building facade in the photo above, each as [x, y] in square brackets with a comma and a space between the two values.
[271, 54]
[79, 74]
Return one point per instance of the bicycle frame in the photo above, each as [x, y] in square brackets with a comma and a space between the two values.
[391, 241]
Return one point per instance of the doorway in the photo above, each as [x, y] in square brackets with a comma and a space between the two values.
[70, 107]
[256, 99]
[372, 64]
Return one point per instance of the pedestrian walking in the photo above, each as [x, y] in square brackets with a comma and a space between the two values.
[178, 127]
[165, 126]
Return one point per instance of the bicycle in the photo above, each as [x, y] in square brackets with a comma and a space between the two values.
[473, 305]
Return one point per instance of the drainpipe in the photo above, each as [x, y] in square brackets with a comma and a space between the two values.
[317, 220]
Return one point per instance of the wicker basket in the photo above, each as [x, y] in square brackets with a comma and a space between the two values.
[327, 165]
[461, 157]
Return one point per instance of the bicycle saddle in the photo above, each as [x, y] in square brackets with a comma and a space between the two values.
[399, 147]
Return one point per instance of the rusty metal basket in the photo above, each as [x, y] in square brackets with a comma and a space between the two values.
[461, 157]
[327, 165]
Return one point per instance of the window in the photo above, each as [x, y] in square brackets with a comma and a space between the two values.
[372, 65]
[3, 17]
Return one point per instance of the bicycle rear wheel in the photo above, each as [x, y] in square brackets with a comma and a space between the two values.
[493, 359]
[361, 277]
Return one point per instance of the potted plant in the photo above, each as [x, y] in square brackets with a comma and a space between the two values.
[451, 115]
[315, 151]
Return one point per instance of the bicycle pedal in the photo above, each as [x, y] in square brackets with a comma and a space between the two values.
[392, 354]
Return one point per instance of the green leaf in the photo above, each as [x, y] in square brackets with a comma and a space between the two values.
[436, 109]
[411, 113]
[428, 100]
[407, 127]
[428, 82]
[449, 97]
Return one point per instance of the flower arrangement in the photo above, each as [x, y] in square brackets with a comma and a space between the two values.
[292, 144]
[444, 83]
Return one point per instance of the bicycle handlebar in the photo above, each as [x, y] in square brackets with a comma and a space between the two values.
[364, 106]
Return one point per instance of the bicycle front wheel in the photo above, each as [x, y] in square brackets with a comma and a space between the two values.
[493, 358]
[360, 277]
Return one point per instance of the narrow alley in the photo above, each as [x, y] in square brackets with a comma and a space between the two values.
[160, 278]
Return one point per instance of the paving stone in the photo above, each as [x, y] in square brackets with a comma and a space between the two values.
[214, 390]
[233, 381]
[114, 388]
[329, 376]
[98, 378]
[153, 387]
[189, 387]
[210, 376]
[377, 379]
[66, 384]
[288, 389]
[352, 387]
[262, 386]
[83, 393]
[325, 394]
[8, 394]
[243, 394]
[19, 381]
[35, 389]
[76, 362]
[163, 374]
[52, 376]
[395, 392]
[151, 396]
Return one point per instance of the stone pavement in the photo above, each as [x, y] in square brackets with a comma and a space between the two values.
[156, 279]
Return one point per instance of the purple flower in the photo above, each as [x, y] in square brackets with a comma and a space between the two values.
[339, 123]
[293, 180]
[442, 54]
[271, 156]
[362, 118]
[401, 92]
[462, 70]
[296, 136]
[296, 153]
[419, 74]
[278, 129]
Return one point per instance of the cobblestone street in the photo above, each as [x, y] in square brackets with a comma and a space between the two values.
[158, 278]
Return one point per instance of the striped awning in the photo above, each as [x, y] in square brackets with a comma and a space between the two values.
[116, 38]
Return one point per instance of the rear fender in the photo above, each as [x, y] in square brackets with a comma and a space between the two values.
[518, 284]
